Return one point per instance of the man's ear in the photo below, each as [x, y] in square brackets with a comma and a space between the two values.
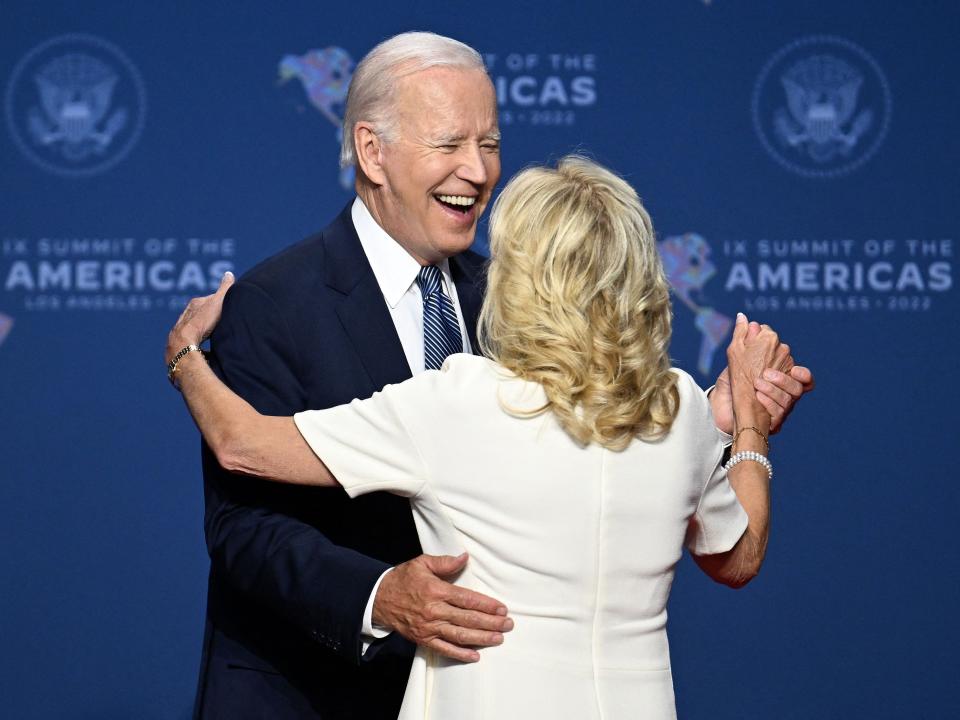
[369, 150]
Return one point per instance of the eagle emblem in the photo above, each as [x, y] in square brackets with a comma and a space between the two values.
[821, 106]
[75, 105]
[821, 117]
[325, 76]
[74, 115]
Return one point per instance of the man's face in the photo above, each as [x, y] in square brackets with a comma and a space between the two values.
[442, 168]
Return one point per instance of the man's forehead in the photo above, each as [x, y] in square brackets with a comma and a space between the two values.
[450, 103]
[445, 81]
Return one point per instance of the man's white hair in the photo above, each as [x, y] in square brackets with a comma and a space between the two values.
[373, 88]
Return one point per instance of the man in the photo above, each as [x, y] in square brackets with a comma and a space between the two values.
[306, 618]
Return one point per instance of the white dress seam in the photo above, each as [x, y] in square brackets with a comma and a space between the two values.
[596, 588]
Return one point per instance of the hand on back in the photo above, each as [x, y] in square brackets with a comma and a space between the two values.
[415, 600]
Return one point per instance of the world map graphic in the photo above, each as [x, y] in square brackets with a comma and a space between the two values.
[686, 261]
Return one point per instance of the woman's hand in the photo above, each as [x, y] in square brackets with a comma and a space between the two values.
[753, 349]
[198, 319]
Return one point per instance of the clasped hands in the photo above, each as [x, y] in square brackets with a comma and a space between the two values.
[778, 386]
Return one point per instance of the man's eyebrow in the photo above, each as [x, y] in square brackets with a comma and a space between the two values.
[455, 138]
[451, 139]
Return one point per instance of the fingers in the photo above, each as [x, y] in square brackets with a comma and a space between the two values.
[723, 379]
[782, 360]
[453, 652]
[779, 392]
[478, 602]
[788, 387]
[204, 312]
[445, 565]
[775, 410]
[480, 620]
[414, 600]
[740, 329]
[469, 637]
[225, 282]
[455, 632]
[772, 393]
[803, 376]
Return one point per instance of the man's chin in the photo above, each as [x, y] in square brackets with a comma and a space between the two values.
[459, 247]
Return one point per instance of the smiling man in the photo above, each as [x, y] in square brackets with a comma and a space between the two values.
[314, 601]
[429, 183]
[311, 597]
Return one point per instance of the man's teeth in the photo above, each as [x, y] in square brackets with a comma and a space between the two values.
[457, 200]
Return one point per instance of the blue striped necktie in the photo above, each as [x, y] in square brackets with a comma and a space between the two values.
[441, 330]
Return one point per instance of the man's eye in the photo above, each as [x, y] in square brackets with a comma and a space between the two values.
[491, 147]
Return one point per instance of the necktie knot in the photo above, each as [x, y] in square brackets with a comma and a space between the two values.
[441, 328]
[429, 280]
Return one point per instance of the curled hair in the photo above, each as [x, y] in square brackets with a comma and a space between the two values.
[372, 92]
[578, 302]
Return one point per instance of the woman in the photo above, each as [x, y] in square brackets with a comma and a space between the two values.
[597, 462]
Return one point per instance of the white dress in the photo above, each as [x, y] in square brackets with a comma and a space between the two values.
[580, 543]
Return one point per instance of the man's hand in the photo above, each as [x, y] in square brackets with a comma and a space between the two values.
[414, 601]
[777, 390]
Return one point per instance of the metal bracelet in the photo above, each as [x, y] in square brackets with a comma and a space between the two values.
[172, 365]
[751, 427]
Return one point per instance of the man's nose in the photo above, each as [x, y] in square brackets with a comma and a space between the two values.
[472, 167]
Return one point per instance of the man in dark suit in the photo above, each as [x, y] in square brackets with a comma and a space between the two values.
[314, 600]
[294, 571]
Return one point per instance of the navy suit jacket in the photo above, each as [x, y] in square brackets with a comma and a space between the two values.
[292, 567]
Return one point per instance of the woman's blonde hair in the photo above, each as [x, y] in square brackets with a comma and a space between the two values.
[577, 301]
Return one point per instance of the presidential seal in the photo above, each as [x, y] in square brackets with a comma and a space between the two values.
[75, 105]
[821, 106]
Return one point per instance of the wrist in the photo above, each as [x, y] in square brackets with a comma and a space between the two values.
[178, 360]
[750, 413]
[175, 343]
[747, 439]
[373, 619]
[758, 421]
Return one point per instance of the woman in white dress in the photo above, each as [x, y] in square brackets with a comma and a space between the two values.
[571, 461]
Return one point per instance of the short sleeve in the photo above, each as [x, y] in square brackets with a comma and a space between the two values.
[720, 520]
[366, 445]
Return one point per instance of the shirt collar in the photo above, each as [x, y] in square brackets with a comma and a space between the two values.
[394, 268]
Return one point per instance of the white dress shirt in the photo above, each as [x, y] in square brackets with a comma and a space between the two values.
[396, 272]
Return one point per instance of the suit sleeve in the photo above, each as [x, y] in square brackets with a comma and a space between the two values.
[254, 542]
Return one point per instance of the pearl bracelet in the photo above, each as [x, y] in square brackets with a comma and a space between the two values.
[750, 455]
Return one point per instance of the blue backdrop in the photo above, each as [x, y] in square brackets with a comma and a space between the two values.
[798, 159]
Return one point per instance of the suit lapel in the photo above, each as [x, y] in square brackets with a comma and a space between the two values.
[363, 312]
[468, 279]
